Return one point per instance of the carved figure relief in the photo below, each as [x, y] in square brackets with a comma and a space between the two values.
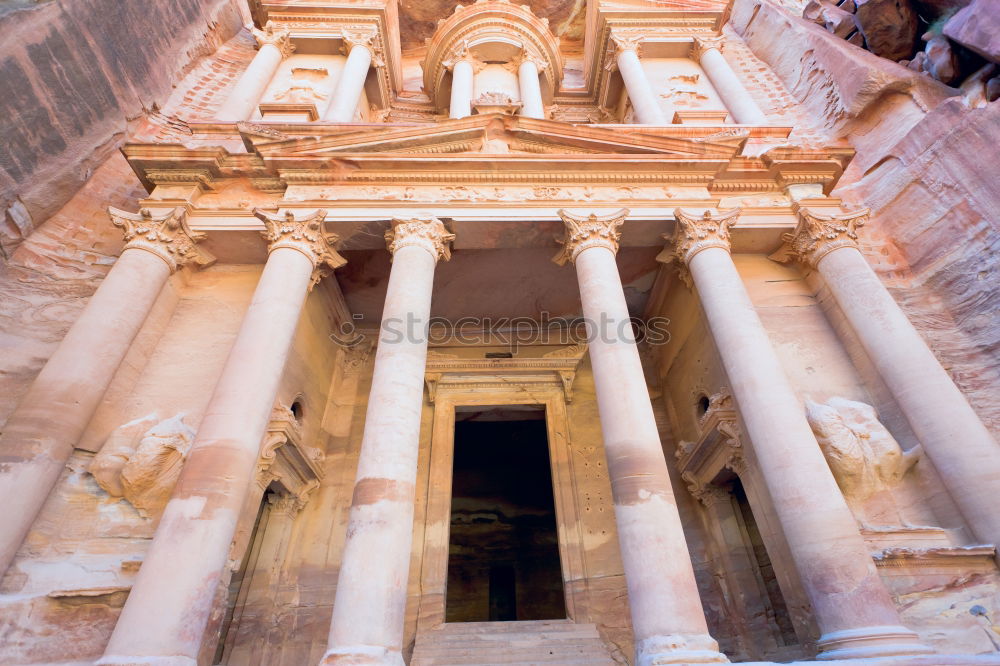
[143, 468]
[866, 460]
[308, 86]
[682, 90]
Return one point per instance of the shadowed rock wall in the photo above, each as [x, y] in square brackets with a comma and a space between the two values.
[74, 73]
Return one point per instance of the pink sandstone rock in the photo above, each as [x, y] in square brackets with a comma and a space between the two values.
[977, 28]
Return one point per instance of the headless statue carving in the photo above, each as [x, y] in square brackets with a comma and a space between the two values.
[143, 468]
[866, 460]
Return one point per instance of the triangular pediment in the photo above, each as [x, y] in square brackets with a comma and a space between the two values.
[503, 135]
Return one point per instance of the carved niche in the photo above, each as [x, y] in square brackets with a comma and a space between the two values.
[286, 462]
[718, 448]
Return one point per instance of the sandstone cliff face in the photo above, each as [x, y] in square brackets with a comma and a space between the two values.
[74, 79]
[920, 167]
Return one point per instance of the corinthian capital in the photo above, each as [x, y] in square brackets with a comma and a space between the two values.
[426, 232]
[586, 232]
[625, 41]
[703, 44]
[167, 236]
[306, 235]
[816, 236]
[699, 232]
[280, 39]
[366, 37]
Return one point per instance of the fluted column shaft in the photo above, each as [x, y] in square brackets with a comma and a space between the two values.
[667, 616]
[640, 92]
[734, 95]
[40, 434]
[531, 90]
[242, 101]
[461, 89]
[855, 614]
[953, 436]
[370, 603]
[167, 612]
[352, 81]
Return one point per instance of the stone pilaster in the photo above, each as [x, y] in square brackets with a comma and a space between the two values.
[40, 434]
[707, 51]
[273, 47]
[625, 47]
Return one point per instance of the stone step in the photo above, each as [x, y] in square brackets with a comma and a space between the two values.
[550, 642]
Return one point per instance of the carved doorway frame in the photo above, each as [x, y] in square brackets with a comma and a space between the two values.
[488, 390]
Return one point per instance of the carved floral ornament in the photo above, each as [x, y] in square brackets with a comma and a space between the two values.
[306, 235]
[280, 39]
[703, 44]
[168, 236]
[582, 233]
[366, 37]
[817, 235]
[426, 232]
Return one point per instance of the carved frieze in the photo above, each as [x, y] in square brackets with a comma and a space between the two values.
[168, 236]
[582, 233]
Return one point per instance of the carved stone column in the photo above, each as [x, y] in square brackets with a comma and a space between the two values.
[708, 52]
[855, 614]
[361, 50]
[50, 419]
[964, 453]
[640, 92]
[667, 615]
[463, 69]
[368, 612]
[531, 91]
[167, 612]
[273, 47]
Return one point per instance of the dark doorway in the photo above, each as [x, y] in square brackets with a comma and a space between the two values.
[503, 553]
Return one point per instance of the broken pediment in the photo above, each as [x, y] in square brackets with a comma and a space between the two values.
[499, 133]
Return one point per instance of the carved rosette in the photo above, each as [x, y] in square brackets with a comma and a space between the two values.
[167, 236]
[306, 235]
[703, 44]
[583, 233]
[818, 235]
[367, 38]
[426, 232]
[280, 39]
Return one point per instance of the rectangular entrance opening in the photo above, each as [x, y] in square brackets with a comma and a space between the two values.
[503, 550]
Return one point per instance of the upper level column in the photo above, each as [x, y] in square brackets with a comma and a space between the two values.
[370, 605]
[964, 453]
[168, 610]
[361, 50]
[667, 616]
[528, 70]
[273, 47]
[708, 52]
[50, 419]
[640, 92]
[855, 614]
[463, 68]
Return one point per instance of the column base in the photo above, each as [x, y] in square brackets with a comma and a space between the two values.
[677, 649]
[114, 660]
[869, 642]
[362, 655]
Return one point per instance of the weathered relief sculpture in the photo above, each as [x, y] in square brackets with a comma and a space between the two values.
[864, 457]
[143, 468]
